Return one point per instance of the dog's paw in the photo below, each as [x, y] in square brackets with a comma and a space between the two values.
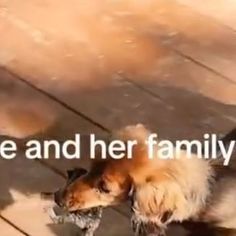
[146, 228]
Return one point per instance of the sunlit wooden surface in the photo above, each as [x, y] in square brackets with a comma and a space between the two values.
[86, 67]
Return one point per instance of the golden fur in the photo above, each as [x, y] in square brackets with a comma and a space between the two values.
[180, 186]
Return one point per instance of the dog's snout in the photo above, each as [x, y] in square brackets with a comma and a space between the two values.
[58, 198]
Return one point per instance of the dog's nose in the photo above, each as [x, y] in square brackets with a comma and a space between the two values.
[58, 199]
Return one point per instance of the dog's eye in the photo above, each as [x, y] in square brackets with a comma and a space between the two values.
[102, 187]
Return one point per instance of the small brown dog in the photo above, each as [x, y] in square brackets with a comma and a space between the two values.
[162, 191]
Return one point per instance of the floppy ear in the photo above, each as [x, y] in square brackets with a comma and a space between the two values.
[75, 173]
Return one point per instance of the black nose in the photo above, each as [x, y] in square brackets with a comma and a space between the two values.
[58, 198]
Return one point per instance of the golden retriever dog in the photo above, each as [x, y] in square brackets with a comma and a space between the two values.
[161, 191]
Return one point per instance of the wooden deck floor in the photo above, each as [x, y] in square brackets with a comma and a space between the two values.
[91, 67]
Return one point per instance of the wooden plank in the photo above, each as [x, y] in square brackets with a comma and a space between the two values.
[26, 112]
[125, 32]
[121, 100]
[118, 106]
[221, 10]
[141, 26]
[8, 230]
[122, 103]
[195, 35]
[186, 85]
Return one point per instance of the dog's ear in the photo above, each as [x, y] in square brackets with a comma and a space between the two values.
[75, 173]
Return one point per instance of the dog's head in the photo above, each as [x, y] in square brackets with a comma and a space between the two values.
[72, 175]
[107, 183]
[99, 187]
